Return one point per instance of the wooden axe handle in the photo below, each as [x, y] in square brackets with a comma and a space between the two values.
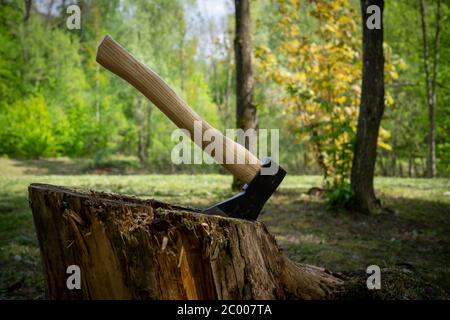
[116, 59]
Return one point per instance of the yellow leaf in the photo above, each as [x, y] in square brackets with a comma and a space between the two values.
[341, 99]
[385, 146]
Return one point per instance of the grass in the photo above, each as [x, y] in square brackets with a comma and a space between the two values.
[414, 236]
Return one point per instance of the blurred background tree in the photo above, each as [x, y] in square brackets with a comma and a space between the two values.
[319, 69]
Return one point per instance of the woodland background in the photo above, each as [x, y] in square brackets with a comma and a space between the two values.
[64, 120]
[55, 100]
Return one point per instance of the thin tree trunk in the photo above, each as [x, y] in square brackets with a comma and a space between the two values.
[246, 117]
[49, 13]
[430, 80]
[393, 165]
[140, 132]
[229, 86]
[28, 4]
[416, 169]
[370, 113]
[400, 169]
[227, 91]
[182, 62]
[410, 166]
[148, 129]
[62, 15]
[381, 160]
[432, 116]
[423, 166]
[97, 93]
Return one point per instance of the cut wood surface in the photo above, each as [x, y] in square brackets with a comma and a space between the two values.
[129, 248]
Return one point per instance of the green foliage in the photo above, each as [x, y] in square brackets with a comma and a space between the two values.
[9, 53]
[307, 71]
[55, 100]
[408, 119]
[317, 63]
[26, 129]
[340, 197]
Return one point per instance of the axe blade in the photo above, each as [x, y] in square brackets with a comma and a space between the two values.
[249, 202]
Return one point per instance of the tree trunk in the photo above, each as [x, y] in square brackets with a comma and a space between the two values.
[370, 112]
[182, 58]
[424, 167]
[128, 248]
[416, 169]
[141, 135]
[410, 166]
[28, 4]
[400, 169]
[381, 161]
[432, 171]
[245, 109]
[229, 85]
[97, 94]
[49, 13]
[393, 164]
[430, 81]
[148, 129]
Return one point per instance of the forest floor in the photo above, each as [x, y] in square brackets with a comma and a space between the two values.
[412, 236]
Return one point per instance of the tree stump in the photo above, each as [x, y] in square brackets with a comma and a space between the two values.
[127, 248]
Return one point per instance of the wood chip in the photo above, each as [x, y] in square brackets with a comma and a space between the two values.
[164, 243]
[181, 257]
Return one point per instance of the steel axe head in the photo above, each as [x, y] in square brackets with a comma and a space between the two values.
[249, 202]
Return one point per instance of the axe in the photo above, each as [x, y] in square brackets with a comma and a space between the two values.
[259, 185]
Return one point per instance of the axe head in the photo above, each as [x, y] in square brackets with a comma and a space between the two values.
[248, 203]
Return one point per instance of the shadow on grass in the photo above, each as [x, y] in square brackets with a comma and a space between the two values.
[65, 166]
[107, 166]
[415, 237]
[20, 264]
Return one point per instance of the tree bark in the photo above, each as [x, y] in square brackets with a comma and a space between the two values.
[370, 112]
[246, 117]
[143, 123]
[430, 81]
[28, 5]
[141, 152]
[128, 248]
[49, 13]
[148, 128]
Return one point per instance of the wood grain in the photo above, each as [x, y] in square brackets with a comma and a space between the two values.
[128, 248]
[115, 58]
